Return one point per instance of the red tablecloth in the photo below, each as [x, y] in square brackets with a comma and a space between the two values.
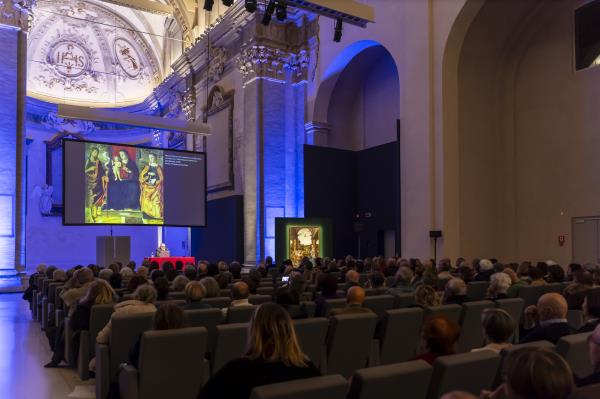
[173, 259]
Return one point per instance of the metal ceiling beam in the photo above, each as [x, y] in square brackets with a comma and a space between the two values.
[350, 11]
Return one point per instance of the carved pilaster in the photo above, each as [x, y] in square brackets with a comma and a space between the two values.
[16, 13]
[260, 61]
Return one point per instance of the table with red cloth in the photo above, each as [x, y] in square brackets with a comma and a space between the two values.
[173, 259]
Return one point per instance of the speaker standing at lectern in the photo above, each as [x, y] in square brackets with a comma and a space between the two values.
[162, 251]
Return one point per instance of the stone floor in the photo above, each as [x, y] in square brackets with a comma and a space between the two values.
[23, 352]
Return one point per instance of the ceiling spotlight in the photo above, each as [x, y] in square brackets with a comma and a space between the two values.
[266, 20]
[281, 11]
[251, 5]
[208, 5]
[337, 33]
[227, 3]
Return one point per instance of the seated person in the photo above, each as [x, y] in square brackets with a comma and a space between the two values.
[438, 338]
[354, 303]
[179, 283]
[327, 285]
[377, 282]
[499, 285]
[534, 373]
[591, 310]
[143, 302]
[210, 286]
[273, 356]
[239, 296]
[426, 297]
[161, 285]
[547, 320]
[498, 329]
[289, 300]
[594, 352]
[98, 292]
[168, 317]
[402, 282]
[162, 251]
[455, 292]
[352, 279]
[194, 293]
[576, 291]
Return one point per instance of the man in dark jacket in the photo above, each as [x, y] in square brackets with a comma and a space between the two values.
[551, 314]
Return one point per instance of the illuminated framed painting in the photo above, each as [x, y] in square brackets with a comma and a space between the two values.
[299, 238]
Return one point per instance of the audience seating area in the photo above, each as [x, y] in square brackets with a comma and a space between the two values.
[371, 350]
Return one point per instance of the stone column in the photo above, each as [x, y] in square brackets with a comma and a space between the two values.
[14, 23]
[274, 109]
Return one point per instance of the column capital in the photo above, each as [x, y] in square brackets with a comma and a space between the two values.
[16, 14]
[317, 132]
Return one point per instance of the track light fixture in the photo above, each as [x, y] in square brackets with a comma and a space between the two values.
[227, 3]
[266, 20]
[208, 5]
[337, 33]
[281, 11]
[251, 5]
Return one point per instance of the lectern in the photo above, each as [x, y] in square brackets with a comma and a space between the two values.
[111, 249]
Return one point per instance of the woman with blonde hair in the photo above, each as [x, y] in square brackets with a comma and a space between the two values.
[273, 355]
[426, 296]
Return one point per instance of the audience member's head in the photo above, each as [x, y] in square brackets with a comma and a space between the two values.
[154, 274]
[252, 285]
[84, 275]
[169, 317]
[327, 284]
[190, 273]
[355, 296]
[178, 265]
[131, 265]
[552, 306]
[212, 269]
[255, 276]
[179, 283]
[161, 285]
[499, 284]
[440, 334]
[59, 275]
[455, 287]
[239, 291]
[572, 268]
[235, 268]
[114, 267]
[297, 284]
[272, 337]
[533, 373]
[466, 272]
[583, 277]
[353, 276]
[105, 274]
[49, 271]
[377, 280]
[403, 276]
[127, 273]
[523, 269]
[535, 273]
[556, 274]
[145, 293]
[425, 296]
[135, 282]
[498, 326]
[444, 265]
[116, 281]
[142, 271]
[512, 274]
[485, 265]
[194, 291]
[41, 268]
[222, 280]
[98, 292]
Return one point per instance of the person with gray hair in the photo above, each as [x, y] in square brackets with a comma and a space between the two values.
[105, 274]
[455, 292]
[179, 283]
[78, 286]
[499, 285]
[402, 282]
[143, 302]
[211, 286]
[486, 269]
[239, 296]
[127, 273]
[59, 275]
[194, 293]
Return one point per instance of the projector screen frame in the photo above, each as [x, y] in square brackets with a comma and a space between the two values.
[64, 186]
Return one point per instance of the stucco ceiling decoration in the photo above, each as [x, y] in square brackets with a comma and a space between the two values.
[85, 52]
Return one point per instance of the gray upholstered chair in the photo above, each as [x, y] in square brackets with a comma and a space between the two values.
[260, 299]
[404, 300]
[471, 333]
[312, 334]
[310, 308]
[575, 318]
[218, 302]
[225, 292]
[574, 348]
[450, 311]
[406, 380]
[334, 304]
[125, 331]
[240, 314]
[230, 342]
[476, 290]
[379, 303]
[530, 294]
[399, 334]
[177, 296]
[265, 290]
[554, 287]
[469, 372]
[327, 387]
[349, 342]
[99, 316]
[207, 318]
[514, 307]
[169, 365]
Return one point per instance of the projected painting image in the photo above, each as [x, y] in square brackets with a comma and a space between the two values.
[124, 185]
[304, 242]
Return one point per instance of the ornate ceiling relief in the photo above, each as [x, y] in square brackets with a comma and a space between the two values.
[84, 52]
